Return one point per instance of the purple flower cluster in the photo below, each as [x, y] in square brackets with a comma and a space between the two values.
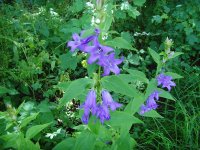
[102, 55]
[150, 103]
[165, 81]
[101, 111]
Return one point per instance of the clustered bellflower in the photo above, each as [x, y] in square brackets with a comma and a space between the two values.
[100, 54]
[150, 103]
[100, 110]
[166, 82]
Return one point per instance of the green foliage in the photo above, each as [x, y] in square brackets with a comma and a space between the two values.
[43, 84]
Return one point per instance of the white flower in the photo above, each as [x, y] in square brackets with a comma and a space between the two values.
[97, 21]
[53, 13]
[124, 5]
[52, 135]
[90, 5]
[105, 36]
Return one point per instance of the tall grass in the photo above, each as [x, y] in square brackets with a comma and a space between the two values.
[180, 128]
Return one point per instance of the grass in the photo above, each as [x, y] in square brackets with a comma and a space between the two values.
[180, 128]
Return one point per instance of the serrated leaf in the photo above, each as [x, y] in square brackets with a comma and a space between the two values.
[139, 2]
[114, 83]
[3, 90]
[134, 105]
[138, 75]
[85, 141]
[74, 89]
[28, 120]
[34, 130]
[152, 86]
[176, 54]
[155, 55]
[65, 144]
[165, 94]
[174, 75]
[152, 114]
[119, 118]
[119, 42]
[68, 61]
[105, 26]
[132, 12]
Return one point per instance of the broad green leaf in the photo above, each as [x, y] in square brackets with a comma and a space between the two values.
[67, 61]
[155, 56]
[174, 75]
[76, 88]
[132, 12]
[85, 141]
[27, 120]
[17, 141]
[87, 32]
[119, 42]
[165, 94]
[3, 90]
[152, 86]
[34, 130]
[114, 83]
[63, 85]
[126, 78]
[120, 118]
[176, 54]
[20, 107]
[139, 2]
[105, 26]
[125, 142]
[152, 114]
[65, 144]
[134, 105]
[138, 75]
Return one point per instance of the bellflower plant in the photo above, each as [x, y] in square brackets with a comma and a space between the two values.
[89, 105]
[108, 100]
[165, 81]
[150, 103]
[98, 53]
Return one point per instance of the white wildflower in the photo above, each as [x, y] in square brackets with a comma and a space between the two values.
[125, 5]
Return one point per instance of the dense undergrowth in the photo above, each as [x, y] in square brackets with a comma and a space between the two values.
[36, 68]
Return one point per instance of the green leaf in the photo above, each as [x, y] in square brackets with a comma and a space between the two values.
[67, 61]
[152, 86]
[134, 105]
[138, 75]
[126, 78]
[174, 75]
[28, 120]
[125, 142]
[3, 90]
[152, 114]
[155, 56]
[132, 12]
[119, 42]
[17, 141]
[105, 26]
[34, 130]
[85, 141]
[165, 94]
[119, 118]
[74, 89]
[114, 83]
[65, 144]
[139, 2]
[176, 54]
